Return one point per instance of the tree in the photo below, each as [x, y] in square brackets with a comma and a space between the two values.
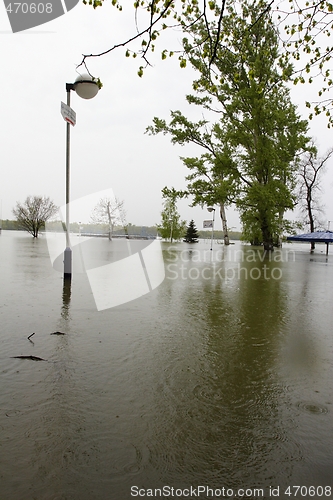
[311, 169]
[250, 151]
[109, 211]
[191, 233]
[211, 181]
[33, 213]
[171, 227]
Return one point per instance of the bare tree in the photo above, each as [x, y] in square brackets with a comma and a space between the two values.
[311, 170]
[33, 213]
[109, 211]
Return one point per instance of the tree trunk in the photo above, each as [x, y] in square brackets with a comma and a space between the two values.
[267, 237]
[311, 220]
[224, 224]
[279, 235]
[110, 220]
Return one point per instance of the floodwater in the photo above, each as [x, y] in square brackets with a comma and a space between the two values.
[221, 377]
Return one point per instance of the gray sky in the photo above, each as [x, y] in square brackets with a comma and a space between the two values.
[108, 146]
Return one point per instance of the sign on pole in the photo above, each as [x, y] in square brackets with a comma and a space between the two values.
[68, 114]
[207, 224]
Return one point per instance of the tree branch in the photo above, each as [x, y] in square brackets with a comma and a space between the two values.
[135, 37]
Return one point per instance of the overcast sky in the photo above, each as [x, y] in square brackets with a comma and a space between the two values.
[108, 146]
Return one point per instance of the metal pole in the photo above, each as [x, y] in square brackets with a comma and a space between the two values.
[211, 241]
[68, 250]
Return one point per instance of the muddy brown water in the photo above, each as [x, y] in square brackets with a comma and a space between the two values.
[221, 377]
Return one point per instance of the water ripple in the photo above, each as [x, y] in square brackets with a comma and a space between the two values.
[311, 407]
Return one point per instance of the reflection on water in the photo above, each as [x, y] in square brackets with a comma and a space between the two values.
[219, 394]
[221, 376]
[66, 298]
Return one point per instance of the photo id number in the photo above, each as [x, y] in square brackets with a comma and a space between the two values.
[29, 8]
[309, 491]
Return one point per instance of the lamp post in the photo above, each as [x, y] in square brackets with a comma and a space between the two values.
[86, 87]
[211, 209]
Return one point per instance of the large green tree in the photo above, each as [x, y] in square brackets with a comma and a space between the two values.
[252, 147]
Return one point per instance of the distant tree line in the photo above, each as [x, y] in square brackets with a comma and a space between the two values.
[9, 225]
[133, 229]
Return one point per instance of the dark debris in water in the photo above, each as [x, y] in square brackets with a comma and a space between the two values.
[33, 358]
[57, 333]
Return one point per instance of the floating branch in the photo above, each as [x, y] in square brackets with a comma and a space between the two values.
[33, 358]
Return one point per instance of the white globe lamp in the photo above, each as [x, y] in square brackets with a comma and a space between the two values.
[86, 87]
